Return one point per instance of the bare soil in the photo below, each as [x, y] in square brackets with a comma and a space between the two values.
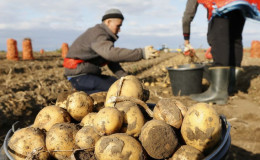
[28, 86]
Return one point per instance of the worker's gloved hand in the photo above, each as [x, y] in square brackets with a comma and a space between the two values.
[149, 52]
[187, 47]
[188, 50]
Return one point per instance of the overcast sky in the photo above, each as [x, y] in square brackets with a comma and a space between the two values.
[49, 23]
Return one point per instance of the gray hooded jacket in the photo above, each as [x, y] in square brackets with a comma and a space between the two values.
[96, 47]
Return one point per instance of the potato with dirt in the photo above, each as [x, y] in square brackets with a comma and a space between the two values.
[171, 111]
[60, 140]
[99, 100]
[79, 104]
[108, 120]
[202, 127]
[128, 86]
[50, 115]
[158, 139]
[28, 143]
[133, 118]
[62, 99]
[88, 120]
[86, 138]
[187, 152]
[118, 146]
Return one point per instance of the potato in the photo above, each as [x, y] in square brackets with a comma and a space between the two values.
[158, 139]
[128, 86]
[88, 120]
[79, 104]
[201, 127]
[167, 110]
[62, 99]
[50, 115]
[99, 100]
[86, 138]
[118, 146]
[60, 140]
[187, 152]
[133, 118]
[28, 143]
[108, 120]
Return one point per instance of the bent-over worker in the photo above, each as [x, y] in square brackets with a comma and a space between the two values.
[94, 49]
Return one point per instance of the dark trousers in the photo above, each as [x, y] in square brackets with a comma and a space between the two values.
[225, 39]
[92, 83]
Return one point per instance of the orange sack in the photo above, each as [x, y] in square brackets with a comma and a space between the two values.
[255, 49]
[64, 49]
[27, 49]
[12, 51]
[42, 51]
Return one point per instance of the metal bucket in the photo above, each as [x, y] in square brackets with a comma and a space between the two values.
[218, 153]
[186, 79]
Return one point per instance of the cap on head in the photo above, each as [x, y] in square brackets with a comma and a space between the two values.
[113, 13]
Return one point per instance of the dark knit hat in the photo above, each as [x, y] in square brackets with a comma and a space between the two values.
[113, 13]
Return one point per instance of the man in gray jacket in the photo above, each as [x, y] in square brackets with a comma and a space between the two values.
[94, 49]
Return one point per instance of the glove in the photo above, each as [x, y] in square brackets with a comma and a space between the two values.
[189, 50]
[149, 52]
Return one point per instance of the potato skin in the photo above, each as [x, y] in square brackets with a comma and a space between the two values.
[131, 87]
[79, 104]
[201, 127]
[118, 146]
[50, 115]
[158, 139]
[86, 138]
[61, 136]
[167, 110]
[187, 152]
[24, 141]
[133, 118]
[108, 120]
[88, 120]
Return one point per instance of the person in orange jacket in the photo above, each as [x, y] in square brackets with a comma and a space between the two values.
[226, 23]
[95, 48]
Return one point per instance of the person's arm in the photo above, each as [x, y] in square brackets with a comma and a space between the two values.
[106, 49]
[189, 13]
[117, 69]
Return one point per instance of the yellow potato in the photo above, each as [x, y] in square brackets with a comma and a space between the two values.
[117, 147]
[88, 120]
[86, 138]
[60, 140]
[50, 115]
[27, 142]
[201, 127]
[130, 87]
[108, 120]
[79, 104]
[133, 118]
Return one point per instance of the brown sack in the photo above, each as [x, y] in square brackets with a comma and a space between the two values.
[64, 49]
[27, 49]
[12, 51]
[255, 49]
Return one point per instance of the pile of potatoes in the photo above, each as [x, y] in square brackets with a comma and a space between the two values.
[118, 125]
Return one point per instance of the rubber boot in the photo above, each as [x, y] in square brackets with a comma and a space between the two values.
[235, 72]
[218, 90]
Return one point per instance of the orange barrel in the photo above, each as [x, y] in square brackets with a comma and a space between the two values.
[64, 49]
[27, 49]
[12, 51]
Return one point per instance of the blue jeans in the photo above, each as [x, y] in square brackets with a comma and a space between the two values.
[92, 83]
